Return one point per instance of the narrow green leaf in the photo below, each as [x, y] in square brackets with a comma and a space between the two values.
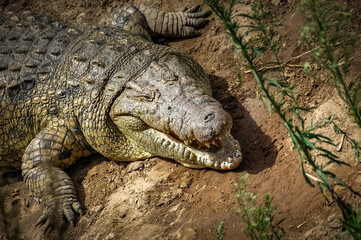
[274, 83]
[258, 51]
[308, 181]
[268, 105]
[323, 189]
[308, 142]
[333, 160]
[244, 15]
[256, 28]
[324, 178]
[327, 152]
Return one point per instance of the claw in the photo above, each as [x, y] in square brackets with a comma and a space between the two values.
[203, 14]
[193, 9]
[72, 223]
[189, 32]
[43, 219]
[78, 208]
[49, 227]
[48, 221]
[69, 214]
[55, 218]
[81, 211]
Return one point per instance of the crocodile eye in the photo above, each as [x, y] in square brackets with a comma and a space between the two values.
[147, 96]
[138, 93]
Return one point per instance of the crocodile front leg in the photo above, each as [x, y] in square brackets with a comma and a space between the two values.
[52, 149]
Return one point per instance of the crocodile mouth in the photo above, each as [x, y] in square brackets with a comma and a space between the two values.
[212, 146]
[222, 152]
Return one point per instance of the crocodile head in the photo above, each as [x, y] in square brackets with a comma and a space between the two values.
[168, 111]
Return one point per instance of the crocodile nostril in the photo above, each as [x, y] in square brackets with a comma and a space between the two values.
[209, 117]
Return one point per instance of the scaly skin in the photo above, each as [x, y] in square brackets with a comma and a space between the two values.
[68, 92]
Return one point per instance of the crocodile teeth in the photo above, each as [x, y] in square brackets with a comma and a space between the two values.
[208, 145]
[166, 144]
[215, 143]
[187, 154]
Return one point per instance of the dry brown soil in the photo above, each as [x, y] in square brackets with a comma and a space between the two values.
[158, 198]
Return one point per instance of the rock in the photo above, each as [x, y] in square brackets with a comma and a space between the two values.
[175, 208]
[275, 2]
[185, 233]
[96, 209]
[333, 220]
[186, 182]
[26, 203]
[278, 2]
[358, 179]
[183, 185]
[110, 236]
[133, 166]
[316, 233]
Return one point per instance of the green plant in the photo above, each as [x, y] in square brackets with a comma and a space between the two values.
[330, 37]
[220, 231]
[279, 96]
[355, 145]
[352, 224]
[259, 220]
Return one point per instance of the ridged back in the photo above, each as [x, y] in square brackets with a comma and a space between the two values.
[49, 70]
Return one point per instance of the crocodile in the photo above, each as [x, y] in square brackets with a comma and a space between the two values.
[69, 91]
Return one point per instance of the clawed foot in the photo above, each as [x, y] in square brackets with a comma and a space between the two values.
[58, 212]
[193, 20]
[145, 21]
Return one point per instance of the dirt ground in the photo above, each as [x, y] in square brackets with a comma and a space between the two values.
[158, 198]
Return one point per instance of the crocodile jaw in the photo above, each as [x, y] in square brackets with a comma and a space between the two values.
[160, 144]
[227, 157]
